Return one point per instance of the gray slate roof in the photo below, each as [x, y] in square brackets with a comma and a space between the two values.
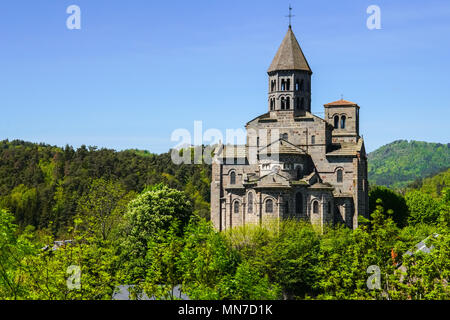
[289, 56]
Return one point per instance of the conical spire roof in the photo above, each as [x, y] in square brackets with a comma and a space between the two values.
[289, 56]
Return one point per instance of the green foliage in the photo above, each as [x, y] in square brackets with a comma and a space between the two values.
[29, 273]
[285, 252]
[42, 185]
[103, 206]
[158, 240]
[13, 248]
[246, 284]
[390, 200]
[152, 212]
[424, 276]
[433, 185]
[163, 273]
[345, 256]
[401, 162]
[46, 275]
[206, 260]
[423, 208]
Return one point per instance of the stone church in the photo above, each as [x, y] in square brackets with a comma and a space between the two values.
[294, 164]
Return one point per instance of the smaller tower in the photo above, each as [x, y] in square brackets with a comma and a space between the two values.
[344, 117]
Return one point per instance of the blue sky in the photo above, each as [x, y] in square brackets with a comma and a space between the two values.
[139, 69]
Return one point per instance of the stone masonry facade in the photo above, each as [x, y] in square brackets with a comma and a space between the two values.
[294, 164]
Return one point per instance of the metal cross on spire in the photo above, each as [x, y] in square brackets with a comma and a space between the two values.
[290, 15]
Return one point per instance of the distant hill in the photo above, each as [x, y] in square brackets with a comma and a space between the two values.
[400, 163]
[433, 185]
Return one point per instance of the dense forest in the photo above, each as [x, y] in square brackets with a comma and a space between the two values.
[400, 163]
[43, 184]
[134, 218]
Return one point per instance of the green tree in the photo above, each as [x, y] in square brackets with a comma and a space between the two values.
[103, 206]
[206, 260]
[154, 210]
[423, 207]
[422, 275]
[163, 273]
[13, 248]
[345, 256]
[391, 200]
[284, 251]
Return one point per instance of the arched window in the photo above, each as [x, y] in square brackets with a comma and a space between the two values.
[283, 103]
[343, 118]
[236, 207]
[299, 203]
[288, 103]
[299, 173]
[297, 85]
[233, 177]
[250, 202]
[336, 122]
[272, 103]
[269, 206]
[313, 140]
[315, 207]
[288, 84]
[283, 85]
[273, 84]
[339, 176]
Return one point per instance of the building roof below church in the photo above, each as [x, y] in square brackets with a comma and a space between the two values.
[232, 151]
[289, 56]
[347, 148]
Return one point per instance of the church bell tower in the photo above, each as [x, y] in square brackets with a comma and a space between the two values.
[290, 78]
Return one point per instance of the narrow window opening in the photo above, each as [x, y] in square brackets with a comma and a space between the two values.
[339, 176]
[343, 119]
[299, 203]
[299, 173]
[250, 203]
[236, 207]
[336, 122]
[315, 207]
[269, 206]
[233, 177]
